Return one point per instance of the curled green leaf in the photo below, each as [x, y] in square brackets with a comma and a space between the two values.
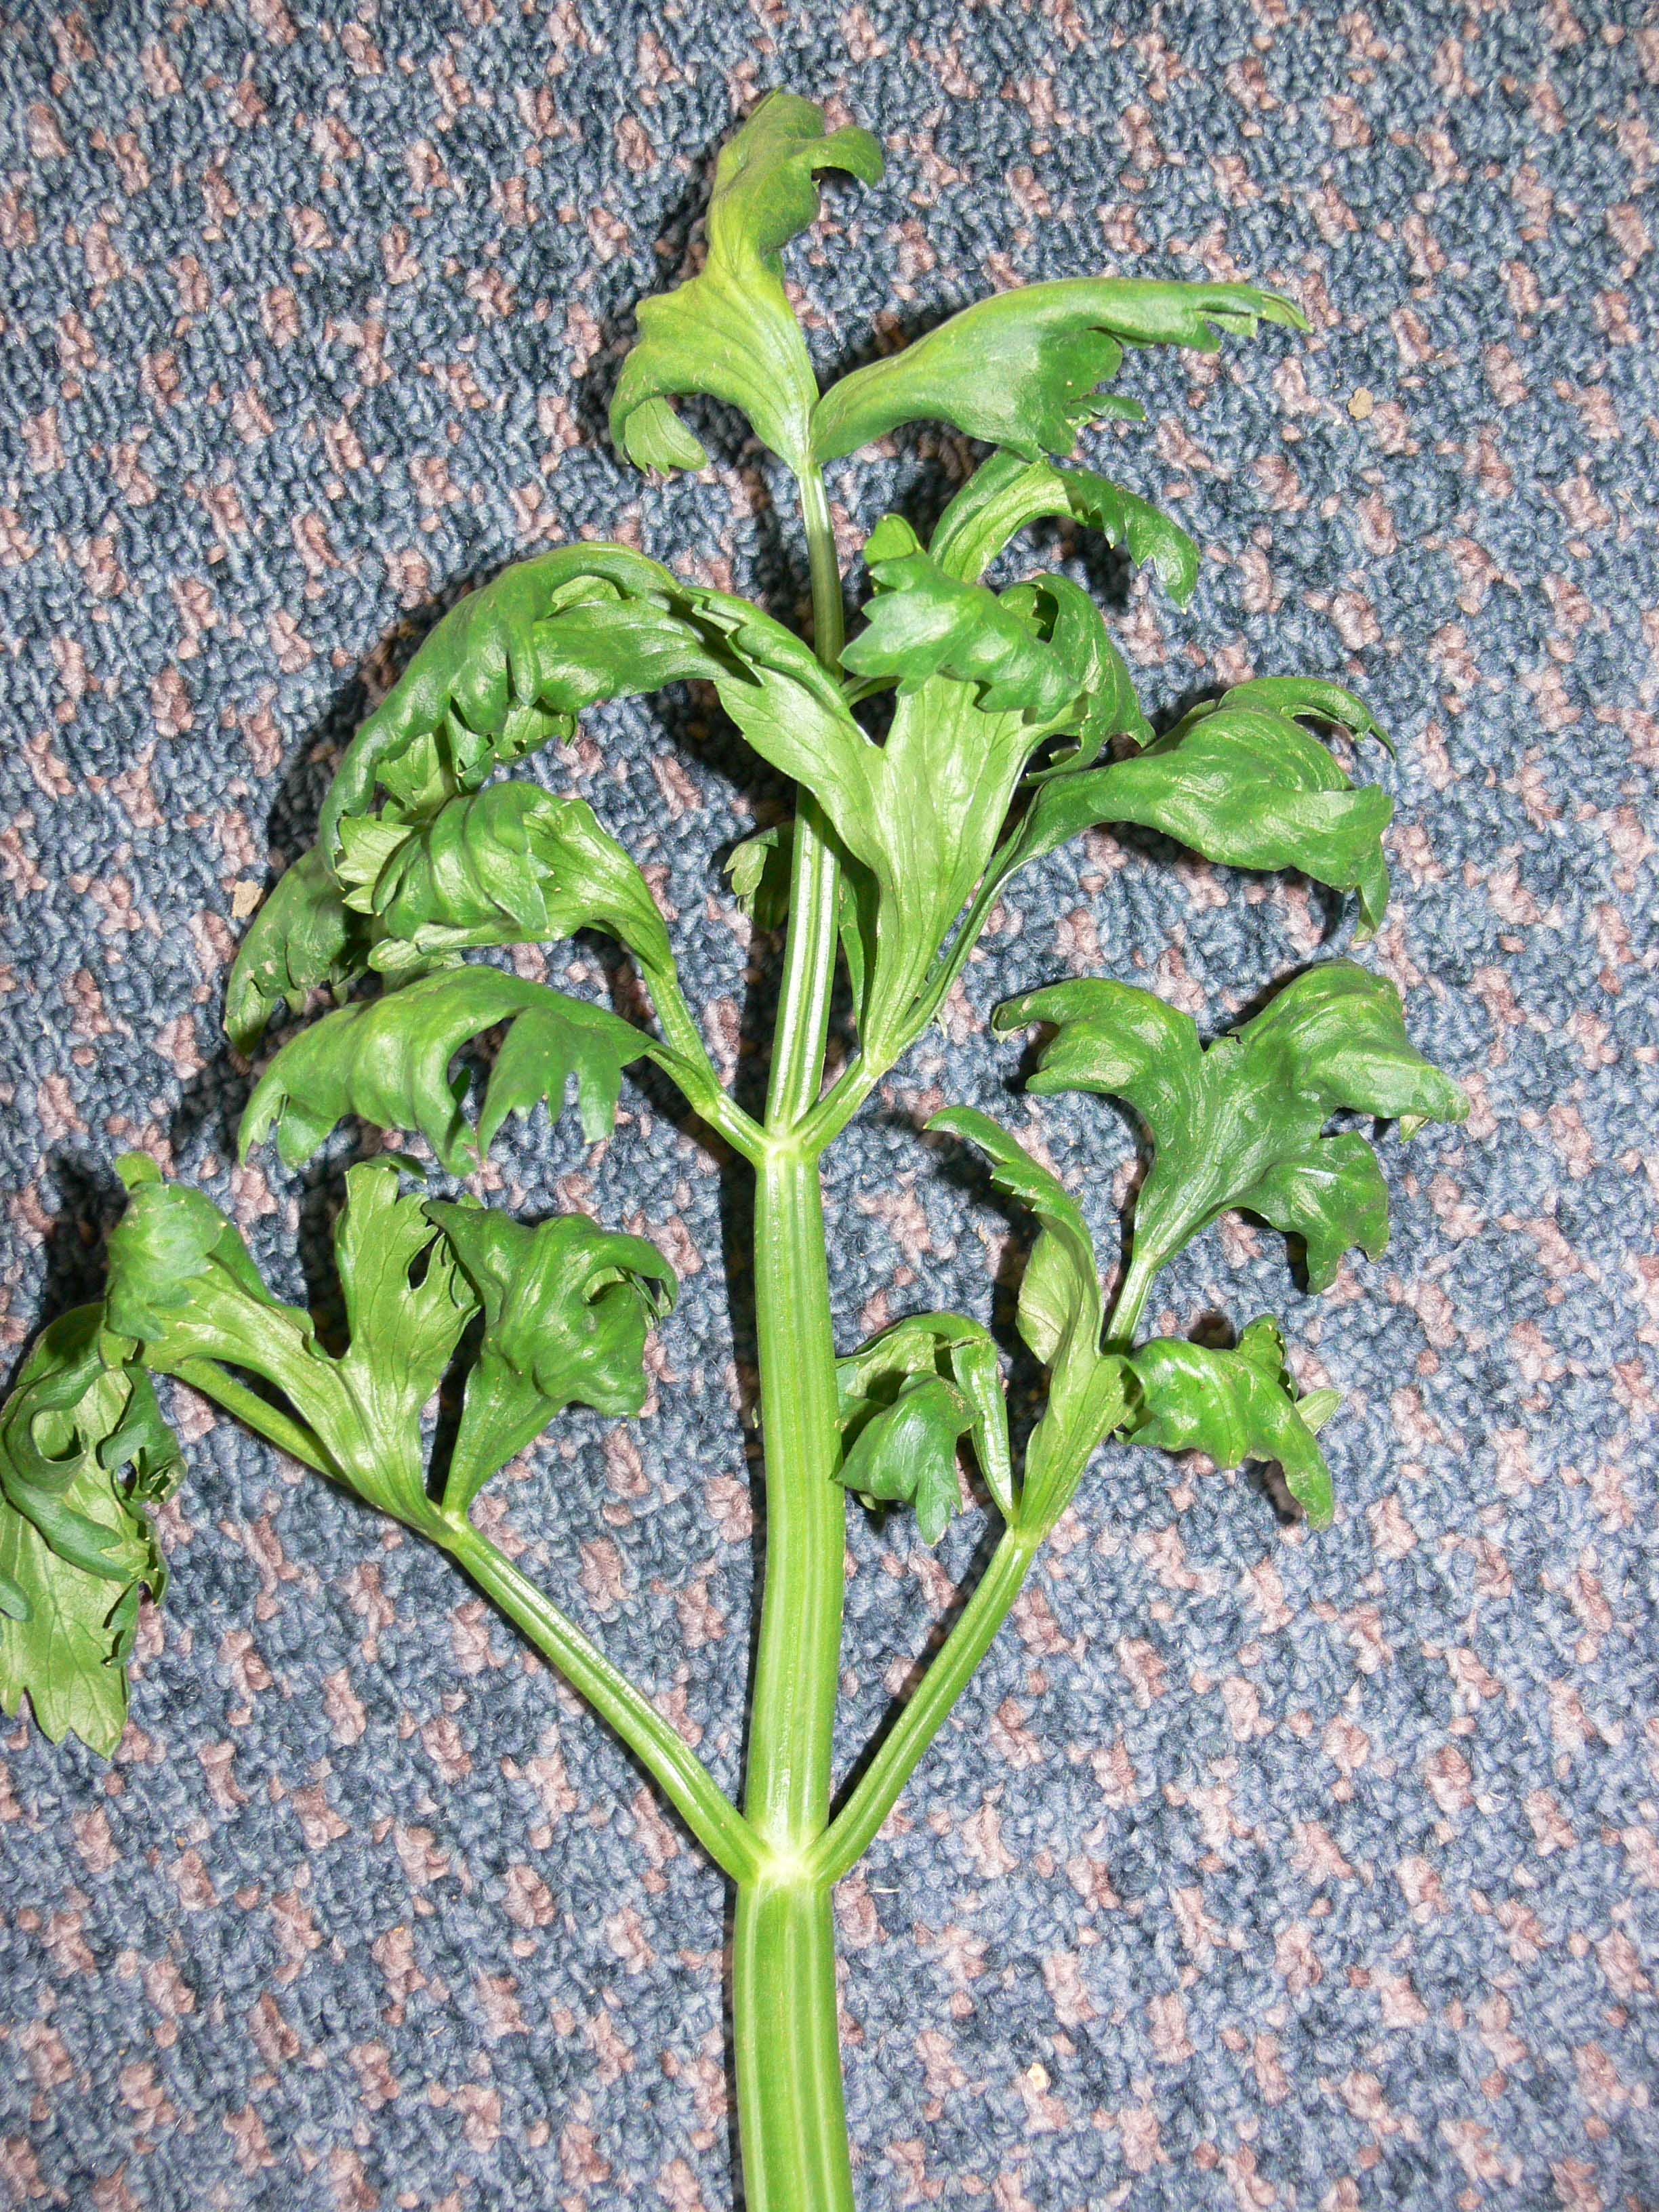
[76, 1414]
[553, 636]
[905, 1452]
[1023, 369]
[1007, 494]
[509, 667]
[83, 1441]
[1061, 1318]
[1304, 698]
[758, 871]
[66, 1630]
[1238, 779]
[509, 865]
[166, 1241]
[1234, 1406]
[304, 936]
[1332, 1195]
[949, 1346]
[567, 1307]
[1239, 1124]
[187, 1295]
[388, 1062]
[923, 622]
[1103, 704]
[1041, 648]
[729, 332]
[1243, 782]
[407, 1302]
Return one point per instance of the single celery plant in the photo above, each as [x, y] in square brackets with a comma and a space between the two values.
[1014, 726]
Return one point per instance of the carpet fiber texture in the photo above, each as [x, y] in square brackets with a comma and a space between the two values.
[1256, 1870]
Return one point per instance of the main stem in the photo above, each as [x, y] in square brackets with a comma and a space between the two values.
[791, 2112]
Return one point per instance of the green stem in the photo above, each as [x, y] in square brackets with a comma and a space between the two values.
[838, 1105]
[809, 971]
[950, 963]
[828, 609]
[1125, 1316]
[256, 1413]
[809, 974]
[798, 1654]
[797, 1659]
[685, 1057]
[678, 1772]
[790, 2108]
[857, 1825]
[787, 2044]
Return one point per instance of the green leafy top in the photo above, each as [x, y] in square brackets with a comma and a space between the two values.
[1239, 1124]
[422, 857]
[730, 332]
[1023, 369]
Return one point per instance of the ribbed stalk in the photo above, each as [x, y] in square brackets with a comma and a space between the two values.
[790, 2109]
[798, 1663]
[809, 963]
[678, 1772]
[926, 1710]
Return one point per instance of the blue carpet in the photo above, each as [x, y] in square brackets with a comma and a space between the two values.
[1257, 1871]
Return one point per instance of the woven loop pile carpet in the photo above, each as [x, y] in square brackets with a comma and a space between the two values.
[1256, 1870]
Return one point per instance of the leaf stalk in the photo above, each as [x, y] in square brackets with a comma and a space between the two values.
[718, 1826]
